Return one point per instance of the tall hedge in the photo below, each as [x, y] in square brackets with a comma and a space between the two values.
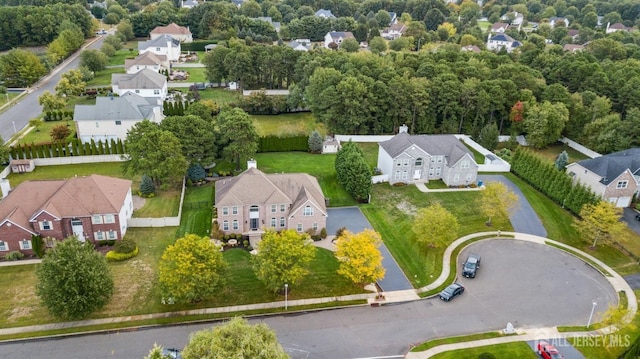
[283, 144]
[556, 185]
[74, 147]
[195, 45]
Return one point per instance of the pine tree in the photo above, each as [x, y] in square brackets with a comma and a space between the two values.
[146, 186]
[315, 142]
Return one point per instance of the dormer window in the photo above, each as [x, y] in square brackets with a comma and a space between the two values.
[308, 211]
[46, 225]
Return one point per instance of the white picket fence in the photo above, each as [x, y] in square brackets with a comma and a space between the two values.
[161, 221]
[76, 160]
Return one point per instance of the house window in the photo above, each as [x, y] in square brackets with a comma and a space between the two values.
[456, 178]
[112, 235]
[439, 159]
[97, 124]
[46, 225]
[406, 162]
[225, 225]
[274, 208]
[99, 236]
[282, 223]
[315, 226]
[464, 164]
[283, 207]
[622, 184]
[405, 174]
[156, 92]
[438, 171]
[419, 162]
[109, 218]
[225, 211]
[399, 163]
[25, 244]
[308, 211]
[96, 219]
[273, 222]
[235, 224]
[397, 175]
[4, 246]
[118, 123]
[469, 176]
[234, 210]
[433, 160]
[300, 228]
[157, 49]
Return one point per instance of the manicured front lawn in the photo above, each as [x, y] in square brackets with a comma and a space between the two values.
[466, 338]
[520, 350]
[126, 52]
[292, 124]
[103, 77]
[42, 135]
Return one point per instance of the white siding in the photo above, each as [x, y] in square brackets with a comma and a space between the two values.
[385, 162]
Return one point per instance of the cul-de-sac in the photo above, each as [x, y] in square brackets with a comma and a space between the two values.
[341, 179]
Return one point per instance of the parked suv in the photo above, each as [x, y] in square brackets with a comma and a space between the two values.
[471, 266]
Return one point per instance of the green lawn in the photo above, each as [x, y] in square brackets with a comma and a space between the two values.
[301, 123]
[197, 211]
[103, 77]
[477, 156]
[552, 152]
[41, 135]
[196, 74]
[520, 350]
[127, 52]
[7, 97]
[465, 338]
[218, 95]
[370, 151]
[163, 204]
[60, 172]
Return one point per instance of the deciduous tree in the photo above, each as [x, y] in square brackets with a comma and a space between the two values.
[435, 225]
[94, 60]
[60, 133]
[239, 136]
[20, 68]
[74, 280]
[191, 269]
[378, 45]
[70, 84]
[544, 123]
[235, 339]
[599, 222]
[283, 258]
[196, 135]
[496, 200]
[51, 102]
[360, 257]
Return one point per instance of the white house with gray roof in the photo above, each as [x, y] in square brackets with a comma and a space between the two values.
[147, 60]
[327, 14]
[409, 158]
[111, 117]
[337, 37]
[254, 201]
[615, 176]
[162, 45]
[146, 83]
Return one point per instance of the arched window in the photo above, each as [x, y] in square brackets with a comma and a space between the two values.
[419, 162]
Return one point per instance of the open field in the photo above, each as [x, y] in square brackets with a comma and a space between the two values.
[219, 95]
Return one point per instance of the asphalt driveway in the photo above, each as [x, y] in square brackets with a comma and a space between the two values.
[523, 218]
[353, 219]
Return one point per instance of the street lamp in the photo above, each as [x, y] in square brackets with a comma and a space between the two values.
[286, 286]
[591, 315]
[14, 127]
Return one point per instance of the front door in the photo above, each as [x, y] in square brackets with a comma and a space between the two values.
[417, 174]
[78, 231]
[254, 218]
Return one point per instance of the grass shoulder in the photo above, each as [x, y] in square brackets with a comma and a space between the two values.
[464, 338]
[520, 350]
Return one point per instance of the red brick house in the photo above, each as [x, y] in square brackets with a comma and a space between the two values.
[94, 208]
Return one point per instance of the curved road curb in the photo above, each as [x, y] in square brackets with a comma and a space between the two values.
[615, 280]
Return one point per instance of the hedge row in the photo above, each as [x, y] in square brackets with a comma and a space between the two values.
[58, 115]
[195, 45]
[283, 144]
[71, 148]
[555, 184]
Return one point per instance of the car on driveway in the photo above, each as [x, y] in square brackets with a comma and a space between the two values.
[471, 266]
[548, 351]
[451, 291]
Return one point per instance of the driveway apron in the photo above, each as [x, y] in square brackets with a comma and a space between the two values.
[523, 219]
[353, 219]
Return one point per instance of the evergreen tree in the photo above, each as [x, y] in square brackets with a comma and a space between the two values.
[315, 142]
[562, 161]
[146, 186]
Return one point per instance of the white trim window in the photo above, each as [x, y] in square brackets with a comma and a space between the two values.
[273, 222]
[282, 222]
[274, 208]
[112, 234]
[283, 207]
[25, 244]
[234, 210]
[464, 164]
[308, 211]
[397, 174]
[235, 225]
[456, 177]
[109, 218]
[99, 236]
[405, 175]
[4, 246]
[622, 184]
[225, 211]
[315, 226]
[405, 163]
[439, 160]
[225, 225]
[438, 171]
[469, 177]
[300, 227]
[418, 162]
[398, 163]
[46, 225]
[96, 219]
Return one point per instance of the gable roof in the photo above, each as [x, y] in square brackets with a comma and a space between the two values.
[126, 107]
[610, 166]
[325, 13]
[172, 28]
[255, 187]
[74, 197]
[144, 79]
[340, 35]
[499, 25]
[146, 58]
[161, 41]
[435, 145]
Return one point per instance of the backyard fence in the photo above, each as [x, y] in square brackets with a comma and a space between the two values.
[161, 221]
[580, 148]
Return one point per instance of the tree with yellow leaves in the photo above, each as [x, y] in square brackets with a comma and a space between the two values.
[600, 221]
[191, 269]
[435, 225]
[359, 256]
[495, 200]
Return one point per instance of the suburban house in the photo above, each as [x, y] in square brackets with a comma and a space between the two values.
[325, 14]
[515, 17]
[553, 21]
[180, 33]
[300, 44]
[276, 25]
[162, 45]
[502, 41]
[94, 208]
[409, 158]
[189, 4]
[112, 117]
[499, 27]
[146, 83]
[147, 60]
[614, 176]
[394, 31]
[616, 27]
[470, 48]
[253, 201]
[210, 47]
[574, 34]
[573, 48]
[337, 37]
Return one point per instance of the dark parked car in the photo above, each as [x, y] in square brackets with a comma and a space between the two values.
[471, 266]
[171, 353]
[451, 292]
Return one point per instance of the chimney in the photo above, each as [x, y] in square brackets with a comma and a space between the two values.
[252, 164]
[5, 187]
[403, 128]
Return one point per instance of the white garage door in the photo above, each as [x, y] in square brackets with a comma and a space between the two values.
[623, 202]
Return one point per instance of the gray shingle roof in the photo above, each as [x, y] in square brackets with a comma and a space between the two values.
[146, 58]
[144, 79]
[435, 145]
[610, 166]
[161, 41]
[127, 107]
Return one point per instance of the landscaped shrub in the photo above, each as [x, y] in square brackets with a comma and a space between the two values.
[114, 256]
[14, 256]
[147, 187]
[125, 246]
[110, 242]
[245, 243]
[196, 173]
[323, 233]
[340, 231]
[38, 245]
